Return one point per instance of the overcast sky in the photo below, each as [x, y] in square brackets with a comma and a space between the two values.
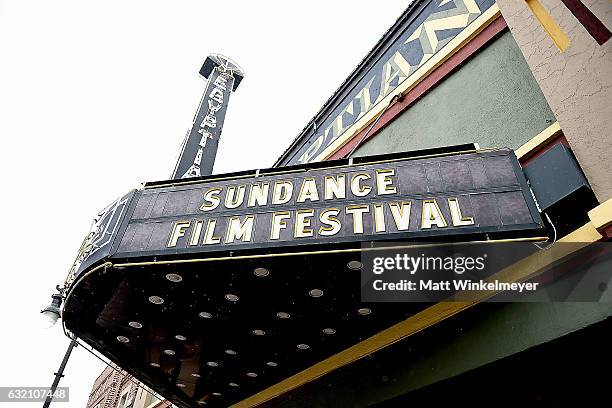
[95, 98]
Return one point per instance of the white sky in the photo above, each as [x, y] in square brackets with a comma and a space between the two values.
[96, 96]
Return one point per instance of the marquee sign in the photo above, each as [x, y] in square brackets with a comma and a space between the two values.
[211, 289]
[481, 192]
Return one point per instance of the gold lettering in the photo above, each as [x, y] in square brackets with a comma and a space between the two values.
[431, 215]
[328, 218]
[237, 229]
[195, 234]
[178, 231]
[335, 187]
[308, 191]
[458, 219]
[278, 223]
[209, 234]
[379, 218]
[211, 199]
[234, 196]
[384, 182]
[302, 222]
[356, 187]
[258, 194]
[357, 212]
[282, 192]
[401, 214]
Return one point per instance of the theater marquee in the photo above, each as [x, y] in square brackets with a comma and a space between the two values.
[404, 198]
[185, 275]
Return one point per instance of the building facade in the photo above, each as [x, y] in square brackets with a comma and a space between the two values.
[115, 388]
[566, 45]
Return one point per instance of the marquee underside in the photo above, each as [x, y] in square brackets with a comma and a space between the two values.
[226, 329]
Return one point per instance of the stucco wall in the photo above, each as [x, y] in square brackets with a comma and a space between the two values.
[492, 100]
[577, 83]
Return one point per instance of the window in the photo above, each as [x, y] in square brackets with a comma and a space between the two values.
[123, 401]
[150, 400]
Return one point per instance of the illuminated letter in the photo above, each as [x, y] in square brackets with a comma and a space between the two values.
[431, 215]
[335, 187]
[328, 217]
[401, 215]
[178, 230]
[458, 219]
[211, 199]
[356, 187]
[379, 218]
[195, 234]
[282, 192]
[384, 182]
[209, 235]
[302, 223]
[233, 199]
[240, 230]
[258, 194]
[278, 223]
[357, 212]
[308, 191]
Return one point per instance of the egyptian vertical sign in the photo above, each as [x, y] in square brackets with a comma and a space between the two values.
[430, 29]
[201, 143]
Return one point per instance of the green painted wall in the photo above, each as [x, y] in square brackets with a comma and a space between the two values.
[493, 100]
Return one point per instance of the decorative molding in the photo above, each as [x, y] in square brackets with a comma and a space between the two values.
[538, 141]
[453, 46]
[601, 216]
[419, 90]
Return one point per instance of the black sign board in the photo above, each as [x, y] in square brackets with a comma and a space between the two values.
[456, 195]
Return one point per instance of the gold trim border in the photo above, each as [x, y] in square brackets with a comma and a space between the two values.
[531, 147]
[322, 252]
[601, 216]
[338, 166]
[283, 254]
